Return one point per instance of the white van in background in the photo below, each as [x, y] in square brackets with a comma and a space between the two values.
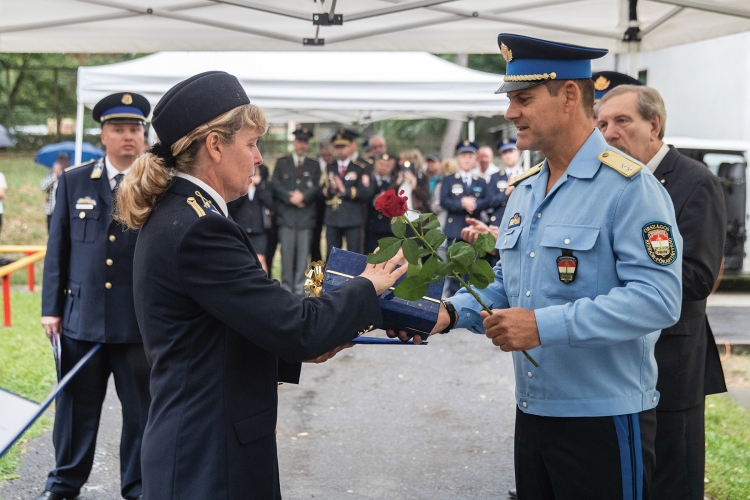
[728, 161]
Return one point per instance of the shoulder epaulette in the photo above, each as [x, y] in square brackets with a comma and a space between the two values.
[360, 163]
[620, 163]
[196, 206]
[532, 171]
[84, 164]
[457, 175]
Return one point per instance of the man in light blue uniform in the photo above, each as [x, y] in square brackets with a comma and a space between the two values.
[590, 272]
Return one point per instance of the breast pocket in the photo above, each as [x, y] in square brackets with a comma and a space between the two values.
[510, 258]
[84, 225]
[570, 261]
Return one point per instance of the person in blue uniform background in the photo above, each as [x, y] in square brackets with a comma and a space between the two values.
[589, 274]
[87, 299]
[219, 334]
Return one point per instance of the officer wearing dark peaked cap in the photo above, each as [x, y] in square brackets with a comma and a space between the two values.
[88, 298]
[604, 81]
[218, 333]
[348, 190]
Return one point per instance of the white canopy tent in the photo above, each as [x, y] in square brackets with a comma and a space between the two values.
[313, 87]
[437, 26]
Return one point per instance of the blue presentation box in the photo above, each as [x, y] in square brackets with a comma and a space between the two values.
[414, 317]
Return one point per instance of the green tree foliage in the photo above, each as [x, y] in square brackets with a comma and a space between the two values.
[35, 87]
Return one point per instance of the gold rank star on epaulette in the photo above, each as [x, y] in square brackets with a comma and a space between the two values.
[84, 164]
[98, 169]
[532, 171]
[620, 163]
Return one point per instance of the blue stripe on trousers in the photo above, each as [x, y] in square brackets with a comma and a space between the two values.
[631, 455]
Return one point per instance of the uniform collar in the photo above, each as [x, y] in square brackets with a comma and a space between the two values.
[112, 171]
[211, 191]
[585, 163]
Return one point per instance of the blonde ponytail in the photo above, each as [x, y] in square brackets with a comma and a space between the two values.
[150, 177]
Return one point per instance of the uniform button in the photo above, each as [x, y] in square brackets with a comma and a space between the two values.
[298, 181]
[528, 293]
[524, 404]
[468, 315]
[380, 216]
[532, 255]
[506, 241]
[529, 374]
[567, 241]
[110, 262]
[112, 237]
[108, 285]
[450, 219]
[82, 215]
[654, 400]
[539, 215]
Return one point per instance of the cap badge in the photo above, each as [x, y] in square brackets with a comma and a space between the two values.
[466, 143]
[506, 52]
[601, 83]
[127, 99]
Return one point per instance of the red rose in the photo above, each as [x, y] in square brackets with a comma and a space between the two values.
[391, 205]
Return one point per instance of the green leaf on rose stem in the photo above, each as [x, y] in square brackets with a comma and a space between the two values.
[387, 241]
[412, 288]
[433, 224]
[411, 252]
[435, 238]
[444, 269]
[423, 217]
[385, 253]
[482, 274]
[484, 244]
[413, 270]
[424, 252]
[462, 253]
[428, 269]
[398, 227]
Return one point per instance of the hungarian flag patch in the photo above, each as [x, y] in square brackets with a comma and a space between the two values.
[657, 236]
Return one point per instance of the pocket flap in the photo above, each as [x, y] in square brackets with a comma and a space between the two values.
[572, 237]
[257, 426]
[508, 239]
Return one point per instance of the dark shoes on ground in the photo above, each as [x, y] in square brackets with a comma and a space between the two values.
[48, 495]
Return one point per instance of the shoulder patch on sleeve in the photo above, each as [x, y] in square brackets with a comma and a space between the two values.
[196, 206]
[621, 164]
[84, 164]
[532, 171]
[659, 241]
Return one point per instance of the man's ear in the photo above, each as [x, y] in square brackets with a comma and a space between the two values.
[572, 95]
[655, 126]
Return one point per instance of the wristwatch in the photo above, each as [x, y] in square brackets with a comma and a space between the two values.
[451, 314]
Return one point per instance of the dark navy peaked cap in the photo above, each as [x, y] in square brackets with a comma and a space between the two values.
[604, 81]
[466, 147]
[196, 101]
[531, 61]
[302, 134]
[122, 107]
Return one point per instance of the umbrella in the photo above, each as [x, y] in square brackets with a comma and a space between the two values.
[48, 154]
[6, 139]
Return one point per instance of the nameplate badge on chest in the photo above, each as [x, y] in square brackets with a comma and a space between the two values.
[86, 203]
[502, 185]
[657, 236]
[457, 189]
[515, 221]
[350, 176]
[567, 265]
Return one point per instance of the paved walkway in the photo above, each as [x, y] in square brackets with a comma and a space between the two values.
[400, 422]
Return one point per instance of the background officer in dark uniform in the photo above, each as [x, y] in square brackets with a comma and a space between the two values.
[88, 298]
[462, 195]
[253, 213]
[296, 187]
[348, 191]
[384, 177]
[686, 353]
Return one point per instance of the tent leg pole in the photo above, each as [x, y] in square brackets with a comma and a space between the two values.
[471, 130]
[79, 133]
[633, 49]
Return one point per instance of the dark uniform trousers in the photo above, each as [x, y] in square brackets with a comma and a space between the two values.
[686, 353]
[345, 219]
[451, 192]
[88, 281]
[295, 224]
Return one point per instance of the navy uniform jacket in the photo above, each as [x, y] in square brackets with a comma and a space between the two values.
[378, 223]
[352, 204]
[88, 269]
[686, 353]
[214, 329]
[451, 193]
[498, 200]
[286, 178]
[249, 214]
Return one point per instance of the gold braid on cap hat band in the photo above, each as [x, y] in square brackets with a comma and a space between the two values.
[530, 78]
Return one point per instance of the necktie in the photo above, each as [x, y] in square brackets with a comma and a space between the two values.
[299, 164]
[118, 179]
[342, 169]
[467, 183]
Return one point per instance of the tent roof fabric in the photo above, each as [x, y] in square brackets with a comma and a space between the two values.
[315, 87]
[437, 26]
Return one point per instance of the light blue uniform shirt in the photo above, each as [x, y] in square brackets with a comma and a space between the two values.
[597, 332]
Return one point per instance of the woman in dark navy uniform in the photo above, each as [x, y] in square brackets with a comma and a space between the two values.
[218, 333]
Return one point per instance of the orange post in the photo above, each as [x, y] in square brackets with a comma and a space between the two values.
[6, 299]
[30, 273]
